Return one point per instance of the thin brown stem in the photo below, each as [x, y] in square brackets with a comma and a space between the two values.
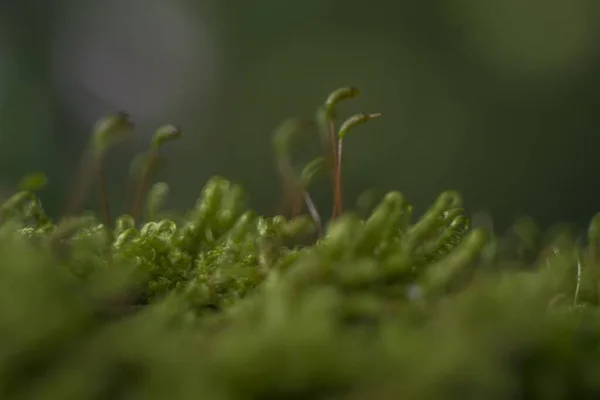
[104, 194]
[339, 206]
[80, 186]
[292, 191]
[143, 185]
[105, 203]
[131, 189]
[333, 141]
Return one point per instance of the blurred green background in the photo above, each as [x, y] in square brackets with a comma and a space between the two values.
[498, 99]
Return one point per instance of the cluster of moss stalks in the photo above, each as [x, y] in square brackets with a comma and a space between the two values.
[225, 304]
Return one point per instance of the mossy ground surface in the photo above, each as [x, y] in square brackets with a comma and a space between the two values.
[222, 303]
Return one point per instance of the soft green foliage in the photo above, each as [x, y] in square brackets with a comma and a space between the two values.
[225, 304]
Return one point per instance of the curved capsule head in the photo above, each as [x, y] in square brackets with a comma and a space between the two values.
[355, 120]
[337, 96]
[111, 130]
[164, 134]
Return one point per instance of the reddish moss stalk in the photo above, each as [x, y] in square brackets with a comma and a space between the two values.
[339, 206]
[104, 200]
[143, 185]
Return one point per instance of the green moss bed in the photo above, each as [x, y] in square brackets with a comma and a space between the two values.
[222, 303]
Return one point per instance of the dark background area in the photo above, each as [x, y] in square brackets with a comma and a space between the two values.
[498, 99]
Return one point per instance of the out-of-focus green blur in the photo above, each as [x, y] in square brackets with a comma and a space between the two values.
[499, 99]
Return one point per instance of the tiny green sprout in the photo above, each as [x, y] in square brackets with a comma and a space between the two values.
[345, 128]
[163, 135]
[326, 123]
[108, 132]
[282, 139]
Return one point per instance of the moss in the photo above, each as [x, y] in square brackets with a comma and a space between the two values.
[223, 303]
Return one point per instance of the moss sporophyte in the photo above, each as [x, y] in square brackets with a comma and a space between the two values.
[223, 303]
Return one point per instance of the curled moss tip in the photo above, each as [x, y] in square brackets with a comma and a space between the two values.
[355, 120]
[396, 198]
[123, 223]
[337, 96]
[164, 134]
[449, 199]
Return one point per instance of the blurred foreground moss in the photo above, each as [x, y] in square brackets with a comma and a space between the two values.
[222, 303]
